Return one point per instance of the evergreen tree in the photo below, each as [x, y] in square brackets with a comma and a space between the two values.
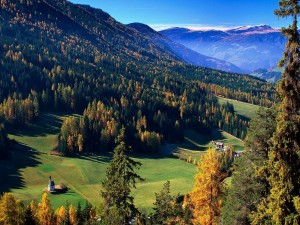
[79, 213]
[246, 188]
[85, 213]
[244, 192]
[282, 205]
[261, 131]
[164, 205]
[120, 178]
[29, 216]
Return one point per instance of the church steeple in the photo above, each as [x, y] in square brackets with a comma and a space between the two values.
[51, 185]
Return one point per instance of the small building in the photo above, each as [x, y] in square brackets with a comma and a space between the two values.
[218, 145]
[51, 185]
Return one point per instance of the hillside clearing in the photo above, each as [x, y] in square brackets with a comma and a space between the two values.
[241, 108]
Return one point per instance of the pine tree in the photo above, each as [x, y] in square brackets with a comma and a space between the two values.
[247, 188]
[79, 215]
[120, 178]
[244, 192]
[282, 204]
[205, 199]
[29, 217]
[164, 204]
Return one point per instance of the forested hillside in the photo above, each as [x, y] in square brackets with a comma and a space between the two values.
[56, 55]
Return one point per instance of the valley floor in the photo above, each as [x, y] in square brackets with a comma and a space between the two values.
[26, 174]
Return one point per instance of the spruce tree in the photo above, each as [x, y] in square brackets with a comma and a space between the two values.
[282, 205]
[120, 178]
[247, 188]
[164, 205]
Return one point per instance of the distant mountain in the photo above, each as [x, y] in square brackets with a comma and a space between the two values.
[248, 47]
[272, 75]
[185, 53]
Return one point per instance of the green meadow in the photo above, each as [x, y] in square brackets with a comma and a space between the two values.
[241, 108]
[27, 173]
[83, 177]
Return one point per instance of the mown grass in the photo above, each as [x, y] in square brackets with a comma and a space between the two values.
[241, 108]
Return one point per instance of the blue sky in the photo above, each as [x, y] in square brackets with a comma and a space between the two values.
[191, 13]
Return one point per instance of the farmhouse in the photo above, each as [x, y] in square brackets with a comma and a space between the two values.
[218, 145]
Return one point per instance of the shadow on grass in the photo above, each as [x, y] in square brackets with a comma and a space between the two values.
[151, 156]
[10, 169]
[45, 124]
[98, 158]
[199, 142]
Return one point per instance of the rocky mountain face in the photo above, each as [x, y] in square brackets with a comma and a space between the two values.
[249, 47]
[186, 54]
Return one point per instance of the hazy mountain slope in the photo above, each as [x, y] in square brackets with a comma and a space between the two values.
[249, 48]
[185, 53]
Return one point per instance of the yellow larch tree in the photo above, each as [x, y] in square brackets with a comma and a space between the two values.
[45, 212]
[205, 201]
[60, 215]
[8, 209]
[73, 215]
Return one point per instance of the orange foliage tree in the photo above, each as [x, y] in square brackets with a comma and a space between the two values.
[205, 199]
[45, 211]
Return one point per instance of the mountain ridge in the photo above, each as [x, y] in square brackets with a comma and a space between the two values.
[186, 54]
[248, 47]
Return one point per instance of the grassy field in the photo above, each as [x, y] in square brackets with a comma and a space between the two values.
[26, 174]
[41, 135]
[244, 109]
[28, 177]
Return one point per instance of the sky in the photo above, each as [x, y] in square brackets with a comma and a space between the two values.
[193, 14]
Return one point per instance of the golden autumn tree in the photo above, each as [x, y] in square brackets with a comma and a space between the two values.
[205, 199]
[60, 215]
[8, 209]
[45, 212]
[73, 215]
